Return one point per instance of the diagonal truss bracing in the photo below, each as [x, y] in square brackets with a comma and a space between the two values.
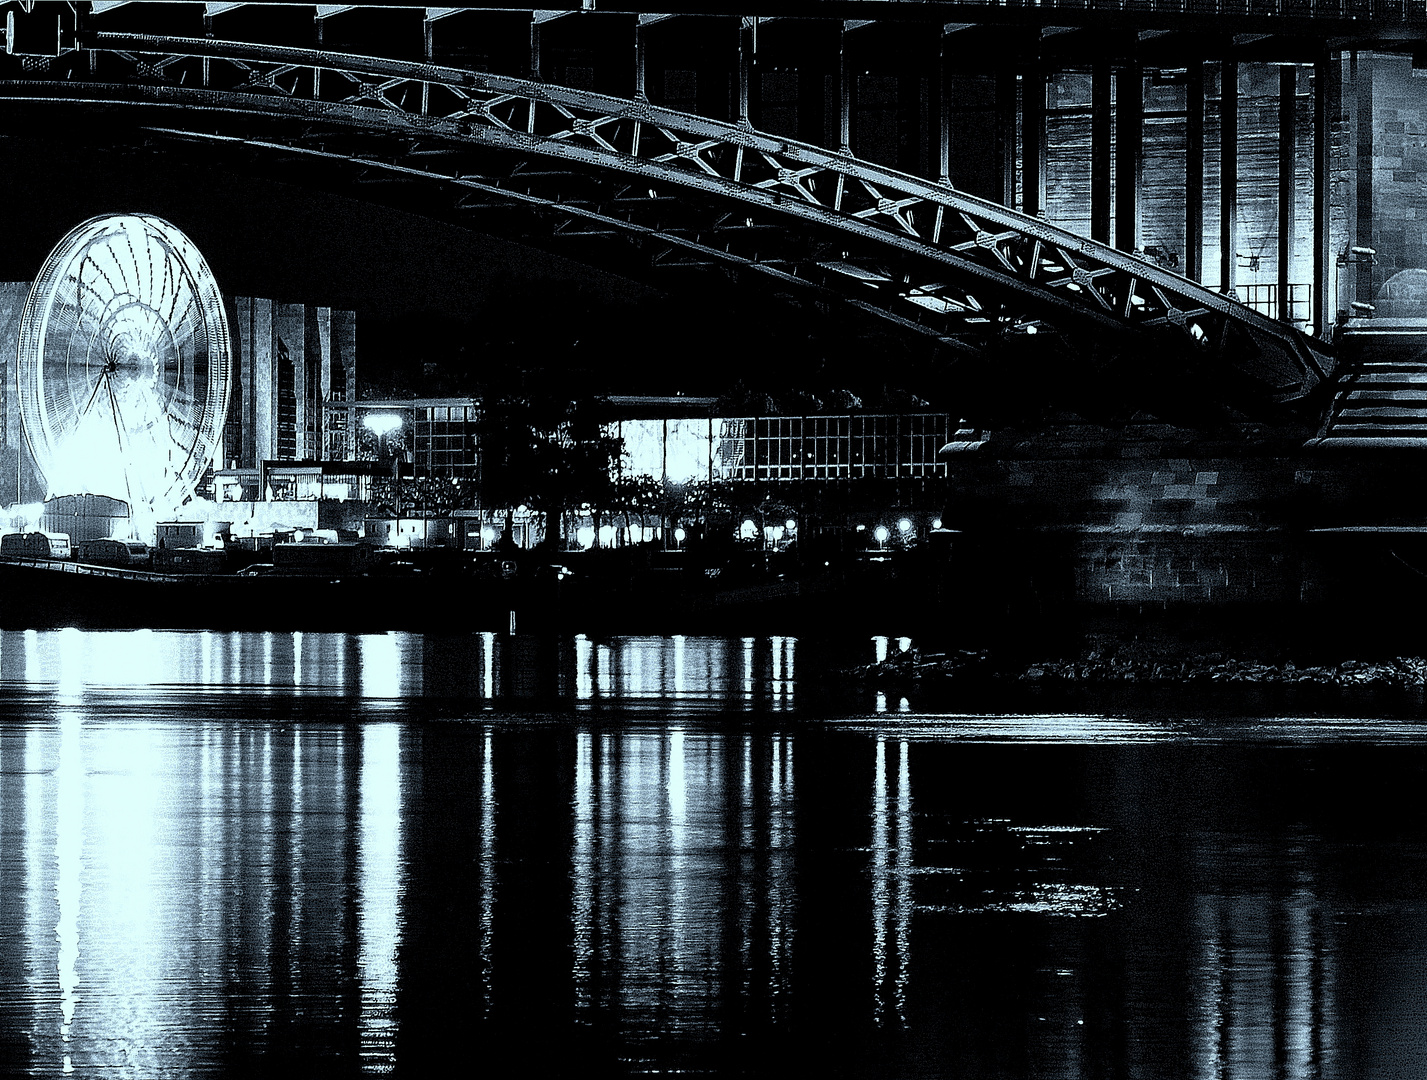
[922, 255]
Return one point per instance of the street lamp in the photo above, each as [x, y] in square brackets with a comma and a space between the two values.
[881, 533]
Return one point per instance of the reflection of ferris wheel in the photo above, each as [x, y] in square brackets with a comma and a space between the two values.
[124, 361]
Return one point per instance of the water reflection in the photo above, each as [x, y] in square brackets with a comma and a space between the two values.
[380, 897]
[233, 893]
[681, 671]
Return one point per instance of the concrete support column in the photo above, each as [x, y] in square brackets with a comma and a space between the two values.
[1033, 142]
[1287, 183]
[1129, 156]
[844, 93]
[747, 51]
[1005, 136]
[1325, 107]
[1194, 171]
[1100, 132]
[1362, 83]
[1228, 171]
[640, 59]
[943, 98]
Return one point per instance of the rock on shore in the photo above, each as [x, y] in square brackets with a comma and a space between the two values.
[911, 666]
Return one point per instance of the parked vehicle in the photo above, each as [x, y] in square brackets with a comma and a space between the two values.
[115, 552]
[35, 545]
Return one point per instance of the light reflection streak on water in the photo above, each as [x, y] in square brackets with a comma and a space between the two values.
[381, 666]
[1013, 728]
[583, 873]
[903, 909]
[603, 667]
[69, 849]
[781, 897]
[488, 872]
[40, 917]
[1264, 984]
[746, 848]
[209, 913]
[297, 853]
[584, 657]
[380, 894]
[879, 883]
[488, 665]
[133, 1024]
[891, 885]
[676, 922]
[267, 830]
[748, 673]
[782, 683]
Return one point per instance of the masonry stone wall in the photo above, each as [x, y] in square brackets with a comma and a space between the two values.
[1157, 517]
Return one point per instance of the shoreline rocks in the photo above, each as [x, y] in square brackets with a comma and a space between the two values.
[911, 667]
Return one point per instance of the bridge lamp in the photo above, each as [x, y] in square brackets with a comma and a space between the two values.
[679, 535]
[904, 526]
[791, 525]
[881, 533]
[936, 523]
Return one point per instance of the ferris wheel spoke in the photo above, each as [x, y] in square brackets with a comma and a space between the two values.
[93, 394]
[134, 353]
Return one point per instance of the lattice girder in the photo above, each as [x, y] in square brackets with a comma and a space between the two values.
[950, 258]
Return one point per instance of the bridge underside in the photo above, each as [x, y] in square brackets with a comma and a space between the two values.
[1021, 313]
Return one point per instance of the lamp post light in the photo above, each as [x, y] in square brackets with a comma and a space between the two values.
[881, 534]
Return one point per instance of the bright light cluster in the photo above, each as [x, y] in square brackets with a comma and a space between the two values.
[124, 361]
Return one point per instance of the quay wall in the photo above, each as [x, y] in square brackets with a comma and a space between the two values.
[1132, 522]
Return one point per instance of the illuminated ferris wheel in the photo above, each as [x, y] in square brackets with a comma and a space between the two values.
[124, 363]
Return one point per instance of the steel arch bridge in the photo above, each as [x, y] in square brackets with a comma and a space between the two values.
[688, 192]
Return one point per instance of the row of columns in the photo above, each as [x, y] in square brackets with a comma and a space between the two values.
[1117, 121]
[1116, 150]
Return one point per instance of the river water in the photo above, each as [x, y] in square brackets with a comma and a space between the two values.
[332, 855]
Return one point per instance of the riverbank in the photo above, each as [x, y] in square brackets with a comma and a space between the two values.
[911, 668]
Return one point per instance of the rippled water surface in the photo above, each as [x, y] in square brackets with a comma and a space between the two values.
[327, 855]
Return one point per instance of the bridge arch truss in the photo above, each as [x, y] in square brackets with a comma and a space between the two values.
[695, 193]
